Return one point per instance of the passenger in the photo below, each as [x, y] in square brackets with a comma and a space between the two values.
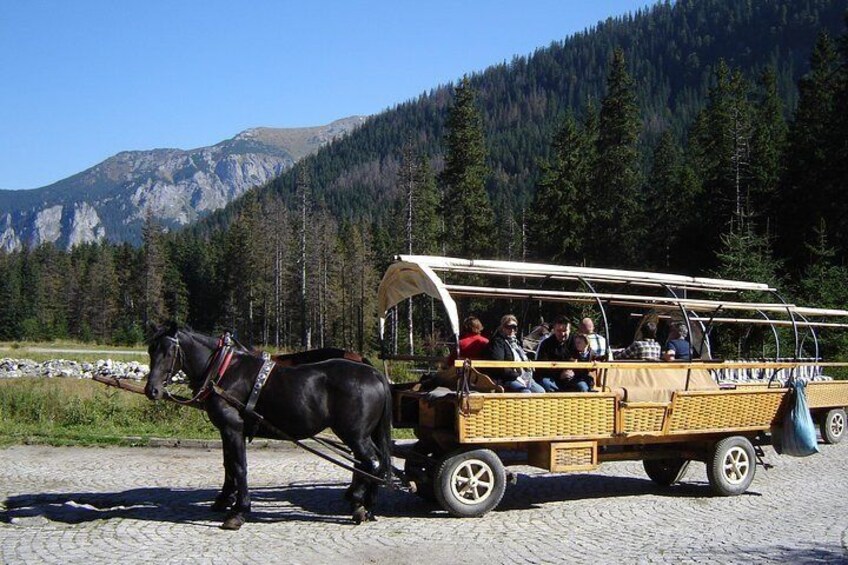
[645, 348]
[581, 381]
[504, 346]
[678, 348]
[597, 343]
[472, 343]
[555, 347]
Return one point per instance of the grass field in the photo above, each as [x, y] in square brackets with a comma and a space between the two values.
[72, 411]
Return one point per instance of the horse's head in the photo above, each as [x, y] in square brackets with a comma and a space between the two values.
[166, 358]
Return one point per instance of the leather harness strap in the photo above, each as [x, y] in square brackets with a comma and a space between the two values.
[264, 372]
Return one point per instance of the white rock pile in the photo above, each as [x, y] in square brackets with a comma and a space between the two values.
[63, 368]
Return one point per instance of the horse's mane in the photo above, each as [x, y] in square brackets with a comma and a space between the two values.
[167, 328]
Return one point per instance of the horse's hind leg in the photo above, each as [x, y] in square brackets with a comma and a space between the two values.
[363, 490]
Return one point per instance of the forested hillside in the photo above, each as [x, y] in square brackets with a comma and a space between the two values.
[700, 137]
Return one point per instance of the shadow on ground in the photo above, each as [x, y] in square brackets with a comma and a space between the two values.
[314, 502]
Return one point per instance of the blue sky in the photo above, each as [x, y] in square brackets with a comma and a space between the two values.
[85, 79]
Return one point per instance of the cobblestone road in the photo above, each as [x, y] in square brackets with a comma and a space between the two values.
[115, 505]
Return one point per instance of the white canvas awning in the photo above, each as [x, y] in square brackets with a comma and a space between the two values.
[405, 279]
[412, 275]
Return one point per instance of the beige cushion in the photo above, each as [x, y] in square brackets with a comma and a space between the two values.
[655, 384]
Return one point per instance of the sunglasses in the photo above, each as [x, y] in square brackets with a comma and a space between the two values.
[511, 326]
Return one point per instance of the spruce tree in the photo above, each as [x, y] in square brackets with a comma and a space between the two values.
[466, 206]
[670, 192]
[807, 195]
[616, 219]
[557, 222]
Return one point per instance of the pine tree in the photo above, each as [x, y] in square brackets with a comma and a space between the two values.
[617, 220]
[670, 194]
[721, 151]
[557, 222]
[768, 146]
[806, 196]
[152, 273]
[466, 207]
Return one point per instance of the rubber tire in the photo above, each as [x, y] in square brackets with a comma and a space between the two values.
[833, 425]
[731, 466]
[453, 475]
[665, 472]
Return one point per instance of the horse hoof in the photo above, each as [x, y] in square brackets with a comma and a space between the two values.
[360, 515]
[233, 522]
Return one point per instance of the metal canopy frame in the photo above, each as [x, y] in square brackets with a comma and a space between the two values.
[411, 275]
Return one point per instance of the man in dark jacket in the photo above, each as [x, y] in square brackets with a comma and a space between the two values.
[555, 347]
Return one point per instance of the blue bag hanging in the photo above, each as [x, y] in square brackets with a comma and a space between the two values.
[798, 437]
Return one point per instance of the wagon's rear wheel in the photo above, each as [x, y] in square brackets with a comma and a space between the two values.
[665, 472]
[470, 483]
[832, 425]
[731, 466]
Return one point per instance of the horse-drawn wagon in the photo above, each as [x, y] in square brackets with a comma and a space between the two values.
[665, 414]
[469, 431]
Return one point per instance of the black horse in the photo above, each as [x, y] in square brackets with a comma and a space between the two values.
[352, 399]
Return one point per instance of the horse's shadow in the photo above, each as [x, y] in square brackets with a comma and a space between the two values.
[312, 502]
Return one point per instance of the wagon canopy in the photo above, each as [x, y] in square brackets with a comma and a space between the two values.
[412, 275]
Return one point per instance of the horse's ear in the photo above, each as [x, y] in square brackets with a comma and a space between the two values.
[150, 328]
[173, 328]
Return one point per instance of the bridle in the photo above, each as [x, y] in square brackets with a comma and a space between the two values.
[215, 368]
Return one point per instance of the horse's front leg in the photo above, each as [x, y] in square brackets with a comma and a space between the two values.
[227, 497]
[231, 427]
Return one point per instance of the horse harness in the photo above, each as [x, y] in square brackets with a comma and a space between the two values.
[216, 367]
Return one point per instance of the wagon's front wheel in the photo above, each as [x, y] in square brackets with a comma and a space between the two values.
[731, 466]
[832, 425]
[470, 483]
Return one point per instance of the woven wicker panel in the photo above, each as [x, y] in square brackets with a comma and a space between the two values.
[523, 416]
[729, 410]
[642, 419]
[827, 394]
[568, 457]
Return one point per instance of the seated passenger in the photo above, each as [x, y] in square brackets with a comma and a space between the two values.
[472, 344]
[678, 348]
[555, 347]
[581, 381]
[645, 348]
[597, 343]
[504, 346]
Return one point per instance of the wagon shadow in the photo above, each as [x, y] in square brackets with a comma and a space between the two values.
[532, 491]
[313, 502]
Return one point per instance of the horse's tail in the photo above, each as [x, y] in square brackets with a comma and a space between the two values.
[382, 435]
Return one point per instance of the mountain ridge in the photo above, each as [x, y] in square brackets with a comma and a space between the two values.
[110, 200]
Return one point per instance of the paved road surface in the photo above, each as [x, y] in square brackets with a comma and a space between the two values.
[116, 505]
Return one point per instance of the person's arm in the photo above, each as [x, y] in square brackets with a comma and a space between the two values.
[627, 353]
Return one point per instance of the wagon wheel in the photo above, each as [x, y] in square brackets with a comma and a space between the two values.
[832, 425]
[731, 466]
[667, 471]
[470, 483]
